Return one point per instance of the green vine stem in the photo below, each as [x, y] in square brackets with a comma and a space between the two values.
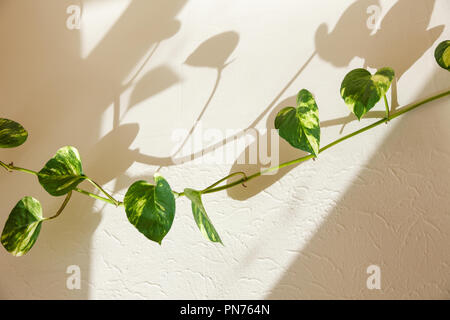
[95, 184]
[387, 106]
[151, 207]
[223, 179]
[110, 199]
[308, 157]
[245, 178]
[63, 206]
[97, 197]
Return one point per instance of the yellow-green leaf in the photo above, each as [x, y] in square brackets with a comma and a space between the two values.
[151, 208]
[300, 126]
[62, 173]
[22, 227]
[442, 54]
[12, 134]
[361, 90]
[201, 218]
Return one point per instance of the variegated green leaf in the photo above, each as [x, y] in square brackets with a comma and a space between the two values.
[442, 54]
[62, 173]
[12, 134]
[151, 208]
[300, 126]
[201, 218]
[22, 227]
[361, 90]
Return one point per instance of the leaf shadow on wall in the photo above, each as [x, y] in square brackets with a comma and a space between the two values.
[61, 98]
[184, 158]
[212, 53]
[382, 47]
[394, 215]
[349, 39]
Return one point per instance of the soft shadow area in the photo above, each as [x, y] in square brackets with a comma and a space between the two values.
[213, 53]
[153, 82]
[221, 45]
[393, 216]
[352, 38]
[61, 99]
[380, 48]
[398, 48]
[286, 153]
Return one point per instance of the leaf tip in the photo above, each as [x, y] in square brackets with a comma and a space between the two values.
[12, 134]
[442, 54]
[157, 175]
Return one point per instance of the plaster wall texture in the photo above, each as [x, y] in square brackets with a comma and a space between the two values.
[138, 71]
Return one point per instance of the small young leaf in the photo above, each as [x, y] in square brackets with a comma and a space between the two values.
[12, 134]
[442, 54]
[151, 208]
[361, 90]
[300, 126]
[62, 173]
[201, 218]
[22, 227]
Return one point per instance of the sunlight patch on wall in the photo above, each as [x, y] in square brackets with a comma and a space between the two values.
[98, 18]
[315, 191]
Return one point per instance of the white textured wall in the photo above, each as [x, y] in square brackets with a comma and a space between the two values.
[311, 231]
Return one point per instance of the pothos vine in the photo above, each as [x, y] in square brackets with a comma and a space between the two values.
[151, 207]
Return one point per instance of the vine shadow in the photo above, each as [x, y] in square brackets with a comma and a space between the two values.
[351, 38]
[212, 53]
[406, 236]
[392, 215]
[47, 74]
[61, 98]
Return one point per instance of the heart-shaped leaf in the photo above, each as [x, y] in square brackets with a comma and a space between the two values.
[151, 208]
[12, 134]
[361, 90]
[22, 227]
[201, 218]
[62, 173]
[442, 54]
[301, 126]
